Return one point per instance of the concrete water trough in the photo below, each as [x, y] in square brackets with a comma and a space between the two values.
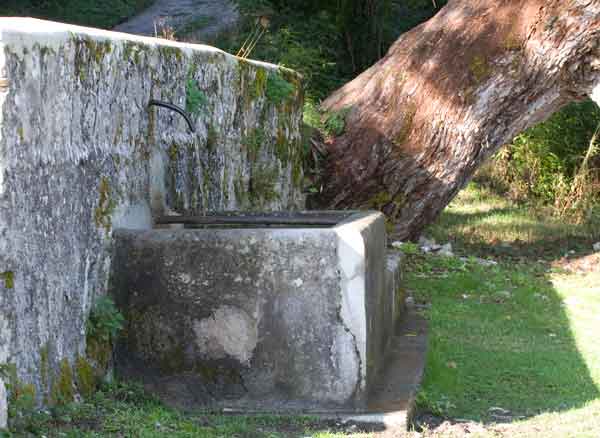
[287, 311]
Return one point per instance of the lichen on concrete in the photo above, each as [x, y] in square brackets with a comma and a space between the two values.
[238, 317]
[81, 155]
[9, 279]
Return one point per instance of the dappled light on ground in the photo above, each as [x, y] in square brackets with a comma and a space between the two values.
[500, 337]
[513, 346]
[481, 223]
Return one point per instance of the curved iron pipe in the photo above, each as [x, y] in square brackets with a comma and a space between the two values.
[174, 108]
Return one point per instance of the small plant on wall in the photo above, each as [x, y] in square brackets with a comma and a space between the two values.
[103, 326]
[195, 99]
[105, 320]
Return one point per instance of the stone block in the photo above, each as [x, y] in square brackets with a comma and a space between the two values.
[256, 318]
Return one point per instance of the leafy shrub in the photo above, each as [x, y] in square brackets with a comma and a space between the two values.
[23, 415]
[278, 89]
[334, 123]
[311, 37]
[195, 99]
[105, 321]
[543, 163]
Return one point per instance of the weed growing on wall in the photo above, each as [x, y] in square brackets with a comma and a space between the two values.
[105, 321]
[334, 123]
[23, 415]
[278, 89]
[195, 99]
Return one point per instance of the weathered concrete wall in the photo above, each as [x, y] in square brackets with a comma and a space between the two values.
[268, 319]
[81, 154]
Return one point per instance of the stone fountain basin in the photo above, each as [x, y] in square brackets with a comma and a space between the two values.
[281, 312]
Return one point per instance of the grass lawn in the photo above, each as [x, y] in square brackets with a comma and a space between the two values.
[522, 335]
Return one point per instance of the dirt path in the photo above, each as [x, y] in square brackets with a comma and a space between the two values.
[207, 17]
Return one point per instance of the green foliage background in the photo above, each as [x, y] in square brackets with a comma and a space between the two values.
[96, 13]
[540, 162]
[310, 36]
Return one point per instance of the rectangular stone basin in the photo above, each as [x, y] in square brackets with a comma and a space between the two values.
[281, 312]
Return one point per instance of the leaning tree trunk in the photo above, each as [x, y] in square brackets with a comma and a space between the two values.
[449, 94]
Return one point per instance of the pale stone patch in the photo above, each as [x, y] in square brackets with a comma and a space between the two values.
[228, 332]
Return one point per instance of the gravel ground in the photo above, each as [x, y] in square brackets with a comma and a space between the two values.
[207, 17]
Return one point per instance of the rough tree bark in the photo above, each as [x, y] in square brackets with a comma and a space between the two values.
[449, 94]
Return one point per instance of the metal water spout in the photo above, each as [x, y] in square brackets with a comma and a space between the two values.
[175, 108]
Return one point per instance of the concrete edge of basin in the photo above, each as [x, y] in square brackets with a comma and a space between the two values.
[352, 246]
[352, 249]
[404, 372]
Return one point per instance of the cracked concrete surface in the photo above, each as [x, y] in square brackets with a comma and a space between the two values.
[284, 318]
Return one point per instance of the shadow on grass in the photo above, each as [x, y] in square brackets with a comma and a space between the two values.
[513, 232]
[500, 337]
[504, 336]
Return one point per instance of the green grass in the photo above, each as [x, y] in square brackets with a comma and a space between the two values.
[500, 337]
[126, 410]
[520, 335]
[96, 13]
[480, 222]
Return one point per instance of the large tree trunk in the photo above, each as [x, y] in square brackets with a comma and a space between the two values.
[449, 94]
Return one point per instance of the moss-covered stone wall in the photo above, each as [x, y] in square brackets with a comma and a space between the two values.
[81, 154]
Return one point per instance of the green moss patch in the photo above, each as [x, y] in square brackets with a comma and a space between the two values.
[86, 377]
[260, 82]
[479, 68]
[195, 99]
[263, 185]
[9, 279]
[106, 206]
[63, 391]
[278, 90]
[44, 365]
[407, 125]
[253, 143]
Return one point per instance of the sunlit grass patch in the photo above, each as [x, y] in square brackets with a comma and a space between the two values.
[481, 222]
[520, 335]
[499, 337]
